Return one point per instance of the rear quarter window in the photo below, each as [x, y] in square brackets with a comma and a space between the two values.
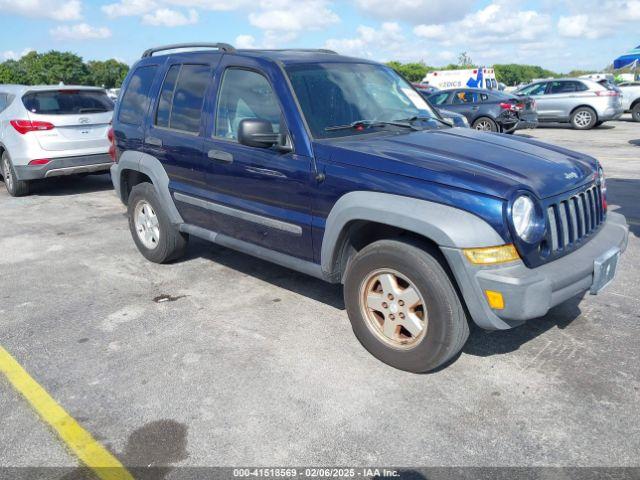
[135, 100]
[3, 101]
[67, 102]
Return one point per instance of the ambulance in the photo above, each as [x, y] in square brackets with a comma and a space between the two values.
[469, 78]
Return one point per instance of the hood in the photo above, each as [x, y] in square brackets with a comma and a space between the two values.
[465, 158]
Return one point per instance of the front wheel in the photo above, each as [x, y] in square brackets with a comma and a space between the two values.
[485, 124]
[403, 307]
[584, 118]
[153, 233]
[15, 187]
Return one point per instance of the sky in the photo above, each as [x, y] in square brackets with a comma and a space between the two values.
[557, 34]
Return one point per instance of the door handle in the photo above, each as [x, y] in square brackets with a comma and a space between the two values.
[156, 142]
[220, 156]
[265, 171]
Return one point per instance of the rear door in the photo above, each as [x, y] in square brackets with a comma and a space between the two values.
[175, 132]
[561, 97]
[465, 102]
[80, 118]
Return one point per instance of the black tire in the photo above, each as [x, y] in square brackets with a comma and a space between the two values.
[635, 112]
[15, 187]
[171, 243]
[579, 118]
[485, 124]
[447, 328]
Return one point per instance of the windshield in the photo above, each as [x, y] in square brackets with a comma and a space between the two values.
[339, 94]
[67, 102]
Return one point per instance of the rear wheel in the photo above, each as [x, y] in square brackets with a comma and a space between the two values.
[485, 124]
[15, 187]
[153, 233]
[403, 307]
[584, 118]
[635, 112]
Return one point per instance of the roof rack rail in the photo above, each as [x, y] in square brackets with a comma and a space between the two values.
[310, 50]
[225, 47]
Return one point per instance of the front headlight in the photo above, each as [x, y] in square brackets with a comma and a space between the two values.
[523, 213]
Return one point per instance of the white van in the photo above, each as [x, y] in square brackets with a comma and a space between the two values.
[469, 78]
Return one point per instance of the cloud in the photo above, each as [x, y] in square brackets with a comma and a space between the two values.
[165, 17]
[416, 11]
[11, 55]
[370, 42]
[80, 31]
[61, 10]
[610, 17]
[494, 23]
[293, 16]
[126, 8]
[245, 41]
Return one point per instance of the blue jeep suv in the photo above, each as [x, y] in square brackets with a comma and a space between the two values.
[338, 168]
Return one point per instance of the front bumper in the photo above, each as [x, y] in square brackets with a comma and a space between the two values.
[65, 166]
[530, 293]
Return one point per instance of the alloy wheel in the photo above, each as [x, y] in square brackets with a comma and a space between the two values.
[147, 225]
[583, 119]
[6, 173]
[484, 126]
[394, 309]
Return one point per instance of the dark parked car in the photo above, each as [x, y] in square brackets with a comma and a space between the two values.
[337, 168]
[489, 111]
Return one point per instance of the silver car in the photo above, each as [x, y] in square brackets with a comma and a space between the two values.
[583, 103]
[48, 131]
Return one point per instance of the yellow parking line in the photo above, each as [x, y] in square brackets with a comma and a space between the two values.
[81, 443]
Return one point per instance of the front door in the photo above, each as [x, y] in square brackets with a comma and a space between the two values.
[258, 195]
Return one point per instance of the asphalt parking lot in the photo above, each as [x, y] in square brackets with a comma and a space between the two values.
[225, 360]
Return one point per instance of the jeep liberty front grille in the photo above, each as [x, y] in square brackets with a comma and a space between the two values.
[574, 218]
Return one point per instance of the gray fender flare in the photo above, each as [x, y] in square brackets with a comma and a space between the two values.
[446, 226]
[152, 168]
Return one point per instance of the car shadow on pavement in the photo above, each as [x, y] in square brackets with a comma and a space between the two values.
[635, 142]
[71, 185]
[327, 293]
[623, 195]
[483, 343]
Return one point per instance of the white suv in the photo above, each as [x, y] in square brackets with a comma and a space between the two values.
[47, 131]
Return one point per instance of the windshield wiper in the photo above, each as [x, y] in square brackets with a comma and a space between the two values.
[416, 118]
[369, 124]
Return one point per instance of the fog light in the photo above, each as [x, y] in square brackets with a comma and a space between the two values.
[492, 255]
[495, 299]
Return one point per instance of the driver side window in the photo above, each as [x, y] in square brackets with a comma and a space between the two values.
[245, 94]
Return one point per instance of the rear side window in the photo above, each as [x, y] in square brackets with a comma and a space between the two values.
[135, 100]
[67, 102]
[187, 98]
[166, 97]
[568, 87]
[3, 101]
[439, 98]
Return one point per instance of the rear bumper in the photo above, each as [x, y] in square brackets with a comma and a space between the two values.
[611, 113]
[65, 166]
[530, 293]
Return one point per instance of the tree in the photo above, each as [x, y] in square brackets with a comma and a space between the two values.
[515, 74]
[414, 72]
[465, 61]
[107, 74]
[53, 67]
[10, 72]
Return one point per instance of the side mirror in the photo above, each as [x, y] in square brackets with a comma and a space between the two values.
[257, 132]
